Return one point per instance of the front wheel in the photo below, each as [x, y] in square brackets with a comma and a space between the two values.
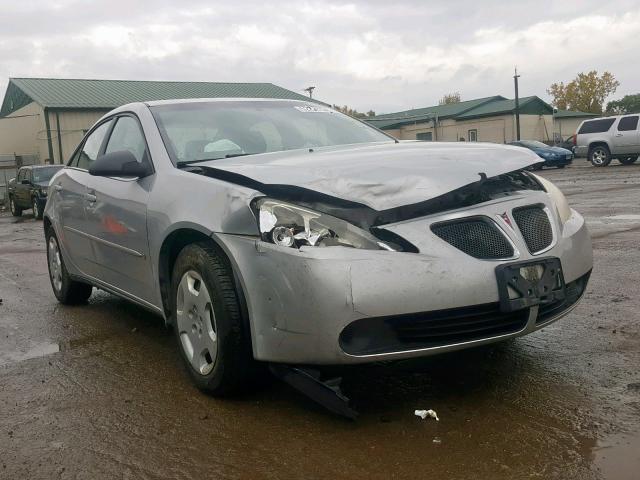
[15, 210]
[213, 341]
[66, 290]
[37, 211]
[628, 160]
[599, 156]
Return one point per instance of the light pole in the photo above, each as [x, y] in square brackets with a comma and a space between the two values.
[515, 83]
[310, 90]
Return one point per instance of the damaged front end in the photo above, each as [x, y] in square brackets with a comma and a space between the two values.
[291, 216]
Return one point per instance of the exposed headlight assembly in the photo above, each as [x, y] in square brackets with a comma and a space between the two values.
[564, 210]
[293, 226]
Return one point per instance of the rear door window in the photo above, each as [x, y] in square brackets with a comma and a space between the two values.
[628, 123]
[597, 126]
[92, 145]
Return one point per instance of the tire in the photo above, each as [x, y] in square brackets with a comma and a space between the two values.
[628, 160]
[15, 210]
[37, 210]
[214, 343]
[66, 290]
[599, 156]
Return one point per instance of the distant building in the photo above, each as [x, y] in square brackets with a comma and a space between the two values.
[490, 119]
[46, 118]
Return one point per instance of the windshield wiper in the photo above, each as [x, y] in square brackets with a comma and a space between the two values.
[184, 163]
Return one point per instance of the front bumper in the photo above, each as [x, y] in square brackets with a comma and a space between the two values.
[300, 302]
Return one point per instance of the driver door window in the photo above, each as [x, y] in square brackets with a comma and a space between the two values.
[91, 146]
[127, 136]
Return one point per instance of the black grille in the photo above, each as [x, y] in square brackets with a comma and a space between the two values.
[535, 227]
[477, 236]
[430, 329]
[573, 292]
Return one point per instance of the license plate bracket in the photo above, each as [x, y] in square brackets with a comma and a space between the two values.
[528, 283]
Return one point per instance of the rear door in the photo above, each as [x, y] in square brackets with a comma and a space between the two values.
[70, 189]
[626, 138]
[117, 217]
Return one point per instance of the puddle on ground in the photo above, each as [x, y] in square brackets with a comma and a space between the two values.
[626, 216]
[618, 456]
[37, 350]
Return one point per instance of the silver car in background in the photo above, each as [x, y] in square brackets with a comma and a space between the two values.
[286, 232]
[603, 139]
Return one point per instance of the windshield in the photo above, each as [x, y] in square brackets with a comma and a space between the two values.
[212, 130]
[44, 174]
[532, 144]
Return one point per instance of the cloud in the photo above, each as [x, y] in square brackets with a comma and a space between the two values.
[367, 54]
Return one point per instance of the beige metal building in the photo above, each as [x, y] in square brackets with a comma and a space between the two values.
[47, 118]
[490, 119]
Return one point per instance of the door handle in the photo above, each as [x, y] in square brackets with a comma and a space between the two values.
[618, 134]
[90, 197]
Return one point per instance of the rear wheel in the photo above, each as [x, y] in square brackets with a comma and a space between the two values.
[599, 156]
[66, 290]
[37, 211]
[213, 343]
[628, 160]
[15, 210]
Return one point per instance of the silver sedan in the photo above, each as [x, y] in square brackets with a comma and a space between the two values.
[286, 232]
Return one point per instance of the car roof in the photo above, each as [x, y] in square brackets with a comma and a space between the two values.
[153, 103]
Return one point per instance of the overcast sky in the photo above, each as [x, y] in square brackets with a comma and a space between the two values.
[384, 55]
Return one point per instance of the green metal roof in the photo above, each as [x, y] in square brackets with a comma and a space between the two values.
[573, 114]
[108, 94]
[481, 107]
[417, 115]
[527, 106]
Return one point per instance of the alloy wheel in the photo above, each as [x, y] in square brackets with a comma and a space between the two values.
[55, 264]
[599, 156]
[196, 322]
[35, 209]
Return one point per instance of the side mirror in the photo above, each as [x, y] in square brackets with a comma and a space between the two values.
[118, 164]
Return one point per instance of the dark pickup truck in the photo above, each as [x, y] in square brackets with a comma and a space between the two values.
[30, 189]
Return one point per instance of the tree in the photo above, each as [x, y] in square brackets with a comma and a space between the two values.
[353, 112]
[450, 98]
[627, 104]
[587, 92]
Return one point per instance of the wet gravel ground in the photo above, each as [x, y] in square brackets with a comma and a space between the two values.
[97, 391]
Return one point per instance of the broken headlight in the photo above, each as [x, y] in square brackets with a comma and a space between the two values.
[289, 225]
[564, 210]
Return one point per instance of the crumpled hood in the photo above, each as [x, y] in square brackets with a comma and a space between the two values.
[381, 176]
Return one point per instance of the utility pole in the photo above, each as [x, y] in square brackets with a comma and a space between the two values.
[515, 82]
[310, 90]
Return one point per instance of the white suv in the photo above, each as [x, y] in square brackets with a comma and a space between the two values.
[603, 139]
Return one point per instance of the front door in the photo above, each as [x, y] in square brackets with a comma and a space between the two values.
[117, 218]
[627, 137]
[21, 195]
[70, 188]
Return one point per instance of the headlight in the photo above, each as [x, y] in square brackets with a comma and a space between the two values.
[292, 226]
[564, 211]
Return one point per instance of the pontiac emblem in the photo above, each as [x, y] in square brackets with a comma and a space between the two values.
[506, 219]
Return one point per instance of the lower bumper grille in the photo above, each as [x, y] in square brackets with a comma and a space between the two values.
[574, 291]
[430, 329]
